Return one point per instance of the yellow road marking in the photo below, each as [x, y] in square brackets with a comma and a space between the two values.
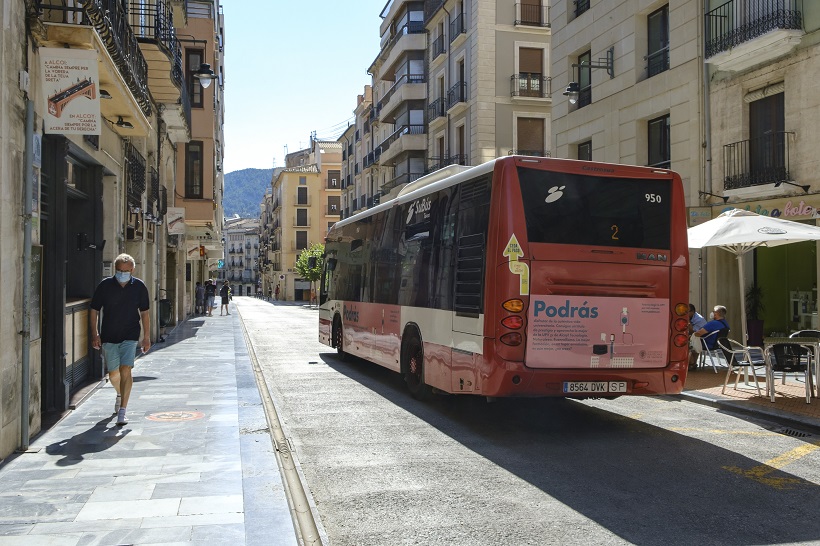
[761, 472]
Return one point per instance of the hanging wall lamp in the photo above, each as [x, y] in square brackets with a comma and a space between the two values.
[573, 90]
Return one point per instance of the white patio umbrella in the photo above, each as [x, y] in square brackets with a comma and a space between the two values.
[739, 231]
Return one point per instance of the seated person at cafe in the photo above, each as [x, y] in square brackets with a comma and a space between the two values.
[718, 323]
[696, 322]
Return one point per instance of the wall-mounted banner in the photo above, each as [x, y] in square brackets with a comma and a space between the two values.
[71, 91]
[175, 218]
[193, 251]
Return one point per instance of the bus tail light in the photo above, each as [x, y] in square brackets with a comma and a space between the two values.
[681, 324]
[512, 339]
[680, 340]
[513, 306]
[513, 322]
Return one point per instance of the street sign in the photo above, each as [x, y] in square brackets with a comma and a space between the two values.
[281, 277]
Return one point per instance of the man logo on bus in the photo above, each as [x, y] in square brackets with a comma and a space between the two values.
[554, 194]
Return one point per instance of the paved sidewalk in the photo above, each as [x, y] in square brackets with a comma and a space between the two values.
[704, 386]
[194, 465]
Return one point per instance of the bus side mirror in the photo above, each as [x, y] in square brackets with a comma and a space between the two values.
[331, 264]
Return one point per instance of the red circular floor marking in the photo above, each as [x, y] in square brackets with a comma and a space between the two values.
[176, 416]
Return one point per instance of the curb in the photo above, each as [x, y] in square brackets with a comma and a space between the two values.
[779, 416]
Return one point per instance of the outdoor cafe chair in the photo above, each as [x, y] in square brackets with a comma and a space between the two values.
[700, 346]
[740, 358]
[788, 358]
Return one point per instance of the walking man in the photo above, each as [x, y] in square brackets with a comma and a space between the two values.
[210, 294]
[123, 300]
[199, 291]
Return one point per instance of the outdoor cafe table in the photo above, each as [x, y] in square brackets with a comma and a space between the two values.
[811, 342]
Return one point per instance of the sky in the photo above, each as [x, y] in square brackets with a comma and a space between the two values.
[291, 71]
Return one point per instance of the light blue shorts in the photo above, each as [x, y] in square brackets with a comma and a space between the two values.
[119, 354]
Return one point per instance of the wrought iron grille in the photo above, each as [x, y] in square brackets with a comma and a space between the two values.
[739, 21]
[134, 175]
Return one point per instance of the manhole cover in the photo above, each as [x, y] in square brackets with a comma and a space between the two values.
[176, 416]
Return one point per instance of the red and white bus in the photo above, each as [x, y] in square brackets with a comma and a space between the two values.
[519, 277]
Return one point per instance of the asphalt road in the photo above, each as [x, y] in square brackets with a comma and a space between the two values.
[383, 468]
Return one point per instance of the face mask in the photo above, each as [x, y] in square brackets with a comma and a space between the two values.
[123, 276]
[711, 316]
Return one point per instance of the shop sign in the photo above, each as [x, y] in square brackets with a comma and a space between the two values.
[70, 91]
[788, 208]
[698, 215]
[175, 218]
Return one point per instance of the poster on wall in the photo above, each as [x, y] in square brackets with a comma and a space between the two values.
[70, 91]
[175, 217]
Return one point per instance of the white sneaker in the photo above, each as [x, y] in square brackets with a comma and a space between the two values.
[121, 420]
[118, 403]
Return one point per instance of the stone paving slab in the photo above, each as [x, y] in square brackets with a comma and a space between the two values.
[194, 465]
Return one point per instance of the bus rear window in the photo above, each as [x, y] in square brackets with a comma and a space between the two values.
[595, 210]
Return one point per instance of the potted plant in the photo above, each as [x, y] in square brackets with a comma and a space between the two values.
[754, 314]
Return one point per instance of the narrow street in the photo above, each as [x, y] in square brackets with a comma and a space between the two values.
[383, 468]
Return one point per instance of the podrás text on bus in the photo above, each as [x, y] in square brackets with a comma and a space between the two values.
[519, 277]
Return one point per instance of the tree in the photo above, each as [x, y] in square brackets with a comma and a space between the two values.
[309, 264]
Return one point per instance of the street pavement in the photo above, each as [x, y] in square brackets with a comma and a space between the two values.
[195, 464]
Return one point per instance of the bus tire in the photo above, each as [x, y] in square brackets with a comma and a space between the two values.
[413, 366]
[338, 337]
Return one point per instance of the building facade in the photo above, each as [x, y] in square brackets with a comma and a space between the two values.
[95, 108]
[306, 200]
[241, 262]
[762, 59]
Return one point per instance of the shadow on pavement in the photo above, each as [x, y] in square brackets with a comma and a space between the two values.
[645, 484]
[94, 440]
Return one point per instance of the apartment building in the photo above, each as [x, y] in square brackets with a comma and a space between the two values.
[265, 242]
[199, 160]
[95, 107]
[488, 80]
[763, 59]
[241, 262]
[306, 200]
[454, 82]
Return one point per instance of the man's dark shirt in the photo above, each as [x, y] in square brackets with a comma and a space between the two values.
[121, 306]
[210, 291]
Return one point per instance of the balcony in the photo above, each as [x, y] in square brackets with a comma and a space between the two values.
[332, 210]
[405, 138]
[439, 47]
[657, 62]
[154, 28]
[456, 95]
[457, 27]
[757, 161]
[743, 33]
[435, 110]
[408, 87]
[400, 180]
[533, 86]
[532, 15]
[436, 163]
[76, 26]
[410, 37]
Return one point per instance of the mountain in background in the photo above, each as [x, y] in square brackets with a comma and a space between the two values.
[244, 191]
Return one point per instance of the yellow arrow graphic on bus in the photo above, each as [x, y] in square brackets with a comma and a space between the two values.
[513, 252]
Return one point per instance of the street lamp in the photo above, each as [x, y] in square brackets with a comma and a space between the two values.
[205, 75]
[573, 90]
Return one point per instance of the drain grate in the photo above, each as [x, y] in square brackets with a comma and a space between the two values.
[793, 433]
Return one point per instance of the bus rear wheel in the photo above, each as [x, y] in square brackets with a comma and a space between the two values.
[413, 366]
[338, 338]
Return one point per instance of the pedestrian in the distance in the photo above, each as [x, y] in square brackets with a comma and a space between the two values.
[210, 295]
[276, 293]
[123, 300]
[200, 298]
[225, 294]
[270, 294]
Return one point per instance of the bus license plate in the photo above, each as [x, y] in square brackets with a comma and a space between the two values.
[593, 387]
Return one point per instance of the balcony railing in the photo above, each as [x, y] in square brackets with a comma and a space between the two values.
[436, 163]
[762, 160]
[439, 46]
[657, 62]
[109, 19]
[532, 15]
[532, 153]
[406, 78]
[398, 133]
[739, 21]
[456, 94]
[457, 27]
[435, 109]
[154, 22]
[412, 27]
[530, 85]
[581, 6]
[405, 178]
